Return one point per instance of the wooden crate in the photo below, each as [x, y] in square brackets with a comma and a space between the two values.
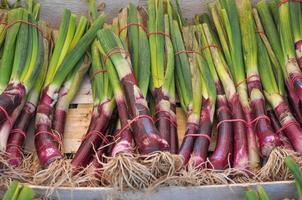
[79, 117]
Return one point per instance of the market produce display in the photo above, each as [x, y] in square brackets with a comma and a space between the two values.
[235, 71]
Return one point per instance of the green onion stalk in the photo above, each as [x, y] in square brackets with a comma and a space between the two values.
[162, 69]
[18, 191]
[96, 136]
[267, 15]
[289, 124]
[9, 49]
[228, 34]
[96, 139]
[296, 24]
[131, 27]
[277, 71]
[293, 72]
[292, 164]
[251, 195]
[260, 193]
[63, 61]
[66, 94]
[19, 131]
[3, 17]
[291, 67]
[267, 139]
[223, 150]
[232, 19]
[26, 64]
[123, 169]
[147, 138]
[70, 86]
[192, 36]
[185, 83]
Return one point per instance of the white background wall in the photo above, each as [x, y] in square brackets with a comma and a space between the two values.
[52, 9]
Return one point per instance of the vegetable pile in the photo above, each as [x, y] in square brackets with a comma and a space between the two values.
[235, 72]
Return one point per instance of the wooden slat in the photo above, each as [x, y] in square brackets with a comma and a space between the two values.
[84, 94]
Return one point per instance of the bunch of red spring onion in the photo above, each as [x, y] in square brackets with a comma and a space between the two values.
[241, 63]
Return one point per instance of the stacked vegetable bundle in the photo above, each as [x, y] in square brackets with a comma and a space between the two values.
[26, 73]
[242, 63]
[24, 59]
[68, 63]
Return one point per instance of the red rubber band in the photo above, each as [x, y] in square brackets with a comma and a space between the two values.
[97, 133]
[19, 148]
[188, 52]
[159, 33]
[101, 71]
[260, 32]
[115, 51]
[210, 46]
[245, 122]
[132, 24]
[247, 79]
[3, 23]
[18, 130]
[282, 2]
[6, 116]
[28, 23]
[174, 123]
[258, 118]
[286, 126]
[199, 135]
[231, 120]
[167, 118]
[131, 122]
[56, 137]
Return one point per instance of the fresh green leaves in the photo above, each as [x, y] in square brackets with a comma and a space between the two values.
[17, 191]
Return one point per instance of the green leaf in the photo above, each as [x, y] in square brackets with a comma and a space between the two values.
[293, 167]
[59, 43]
[13, 191]
[265, 69]
[144, 62]
[78, 51]
[9, 46]
[133, 38]
[286, 33]
[182, 67]
[21, 49]
[26, 194]
[251, 195]
[262, 193]
[270, 30]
